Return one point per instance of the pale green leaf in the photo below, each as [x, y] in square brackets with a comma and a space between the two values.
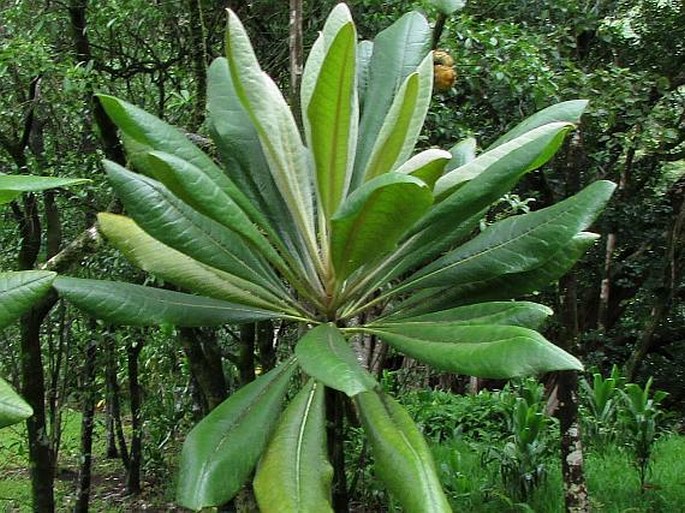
[448, 7]
[240, 150]
[324, 354]
[373, 218]
[175, 224]
[564, 112]
[221, 451]
[13, 408]
[364, 53]
[539, 143]
[333, 115]
[402, 458]
[154, 257]
[403, 123]
[487, 351]
[276, 127]
[294, 475]
[136, 305]
[19, 290]
[462, 153]
[397, 53]
[428, 165]
[11, 186]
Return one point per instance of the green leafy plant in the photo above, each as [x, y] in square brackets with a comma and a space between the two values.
[639, 418]
[602, 401]
[19, 290]
[321, 229]
[522, 460]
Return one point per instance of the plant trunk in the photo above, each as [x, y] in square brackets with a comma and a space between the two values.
[335, 415]
[135, 459]
[266, 346]
[246, 353]
[206, 366]
[88, 409]
[199, 58]
[41, 456]
[296, 57]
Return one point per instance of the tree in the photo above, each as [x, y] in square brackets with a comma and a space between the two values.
[323, 230]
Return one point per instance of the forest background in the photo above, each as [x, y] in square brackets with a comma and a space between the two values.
[622, 305]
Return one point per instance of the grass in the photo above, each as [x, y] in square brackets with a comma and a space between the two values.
[471, 485]
[108, 480]
[612, 481]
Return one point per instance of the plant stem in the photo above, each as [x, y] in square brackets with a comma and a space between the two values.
[335, 434]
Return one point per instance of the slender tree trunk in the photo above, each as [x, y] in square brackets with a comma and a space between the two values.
[199, 57]
[41, 457]
[265, 345]
[246, 353]
[296, 57]
[88, 410]
[205, 364]
[135, 460]
[611, 243]
[335, 414]
[575, 488]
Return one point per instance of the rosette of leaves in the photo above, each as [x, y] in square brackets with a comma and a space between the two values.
[21, 289]
[326, 226]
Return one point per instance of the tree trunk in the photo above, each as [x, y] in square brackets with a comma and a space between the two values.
[41, 457]
[135, 459]
[296, 57]
[336, 453]
[206, 366]
[266, 346]
[246, 353]
[199, 58]
[572, 469]
[88, 409]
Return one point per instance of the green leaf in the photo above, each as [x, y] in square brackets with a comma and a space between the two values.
[454, 218]
[403, 123]
[333, 118]
[11, 186]
[373, 218]
[19, 290]
[488, 351]
[13, 408]
[403, 461]
[221, 451]
[462, 153]
[516, 244]
[241, 152]
[448, 7]
[527, 152]
[504, 286]
[364, 53]
[172, 222]
[397, 53]
[136, 305]
[203, 196]
[154, 257]
[151, 133]
[276, 127]
[294, 475]
[564, 112]
[324, 354]
[428, 165]
[512, 313]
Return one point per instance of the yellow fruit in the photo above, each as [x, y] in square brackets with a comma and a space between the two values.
[443, 77]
